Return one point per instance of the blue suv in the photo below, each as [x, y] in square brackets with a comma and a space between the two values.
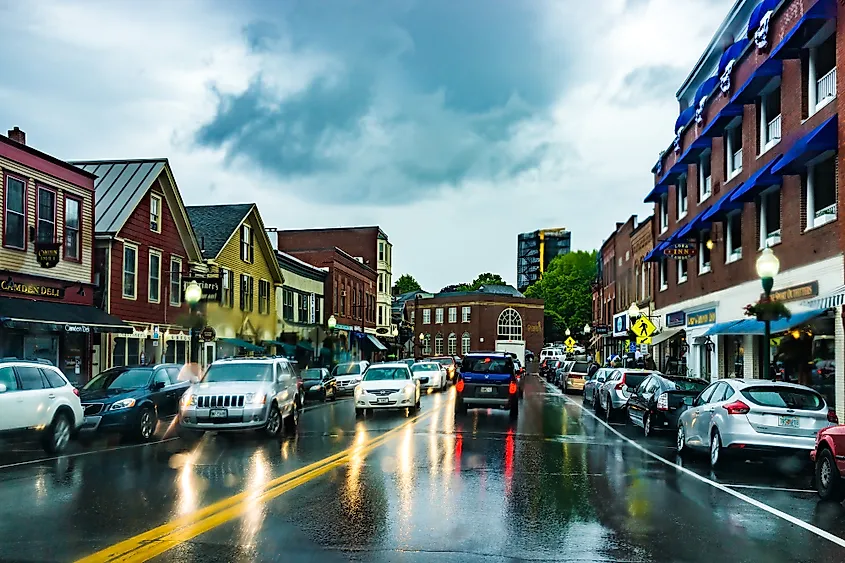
[487, 380]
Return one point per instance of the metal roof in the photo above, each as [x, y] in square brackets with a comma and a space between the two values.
[119, 187]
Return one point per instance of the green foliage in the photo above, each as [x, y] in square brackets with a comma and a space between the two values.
[566, 289]
[483, 279]
[405, 284]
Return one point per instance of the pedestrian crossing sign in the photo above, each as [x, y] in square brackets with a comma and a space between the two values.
[643, 328]
[644, 340]
[570, 342]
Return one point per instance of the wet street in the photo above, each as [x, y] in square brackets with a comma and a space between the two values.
[556, 485]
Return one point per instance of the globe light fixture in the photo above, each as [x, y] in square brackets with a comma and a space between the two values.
[768, 264]
[332, 322]
[568, 332]
[422, 338]
[395, 332]
[193, 293]
[587, 328]
[633, 311]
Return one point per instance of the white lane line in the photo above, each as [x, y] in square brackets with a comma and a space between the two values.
[765, 488]
[725, 489]
[82, 454]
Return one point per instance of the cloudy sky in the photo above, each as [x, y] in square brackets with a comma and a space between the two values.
[454, 125]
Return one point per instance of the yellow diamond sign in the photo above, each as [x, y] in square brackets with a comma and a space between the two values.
[570, 342]
[643, 328]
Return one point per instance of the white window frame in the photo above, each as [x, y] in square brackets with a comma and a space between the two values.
[150, 285]
[427, 344]
[247, 244]
[438, 316]
[705, 183]
[683, 271]
[466, 314]
[812, 221]
[732, 256]
[768, 239]
[426, 316]
[452, 344]
[704, 268]
[466, 343]
[453, 314]
[177, 302]
[155, 213]
[134, 295]
[509, 325]
[438, 344]
[664, 213]
[682, 202]
[813, 103]
[663, 273]
[729, 149]
[765, 142]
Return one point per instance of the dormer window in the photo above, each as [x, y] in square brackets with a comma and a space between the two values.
[155, 213]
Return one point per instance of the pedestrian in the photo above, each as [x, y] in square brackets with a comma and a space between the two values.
[649, 363]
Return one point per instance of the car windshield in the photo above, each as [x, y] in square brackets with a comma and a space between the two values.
[784, 397]
[121, 378]
[426, 367]
[385, 374]
[238, 372]
[312, 374]
[487, 364]
[445, 361]
[682, 384]
[580, 367]
[347, 369]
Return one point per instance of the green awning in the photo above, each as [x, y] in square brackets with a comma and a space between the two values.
[248, 346]
[287, 349]
[305, 345]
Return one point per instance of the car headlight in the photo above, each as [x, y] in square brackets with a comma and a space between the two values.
[188, 399]
[358, 392]
[122, 404]
[255, 398]
[409, 389]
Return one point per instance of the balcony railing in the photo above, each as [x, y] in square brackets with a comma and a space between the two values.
[773, 238]
[826, 87]
[774, 129]
[737, 161]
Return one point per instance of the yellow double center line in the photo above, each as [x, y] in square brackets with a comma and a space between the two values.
[152, 543]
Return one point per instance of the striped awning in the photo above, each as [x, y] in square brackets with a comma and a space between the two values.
[835, 298]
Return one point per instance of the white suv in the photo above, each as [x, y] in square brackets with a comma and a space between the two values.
[36, 400]
[243, 394]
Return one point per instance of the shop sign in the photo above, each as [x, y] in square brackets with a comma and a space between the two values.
[676, 319]
[339, 326]
[77, 329]
[47, 253]
[34, 290]
[681, 250]
[620, 324]
[208, 334]
[795, 292]
[700, 318]
[601, 329]
[211, 287]
[312, 308]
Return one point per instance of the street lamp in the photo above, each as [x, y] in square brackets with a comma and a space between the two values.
[332, 322]
[193, 295]
[568, 332]
[633, 310]
[587, 328]
[768, 267]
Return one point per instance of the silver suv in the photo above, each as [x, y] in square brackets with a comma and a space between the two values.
[243, 394]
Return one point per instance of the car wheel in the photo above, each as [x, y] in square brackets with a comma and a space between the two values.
[292, 420]
[681, 442]
[274, 421]
[715, 449]
[58, 435]
[646, 425]
[828, 481]
[146, 425]
[514, 410]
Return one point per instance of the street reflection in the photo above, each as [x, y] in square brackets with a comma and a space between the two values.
[406, 487]
[258, 473]
[187, 495]
[352, 491]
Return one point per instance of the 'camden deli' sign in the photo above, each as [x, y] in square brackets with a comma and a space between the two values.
[31, 289]
[47, 253]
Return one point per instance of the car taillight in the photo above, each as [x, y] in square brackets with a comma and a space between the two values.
[76, 392]
[737, 407]
[663, 402]
[831, 417]
[460, 386]
[512, 388]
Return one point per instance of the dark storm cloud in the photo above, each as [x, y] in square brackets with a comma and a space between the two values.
[419, 95]
[649, 84]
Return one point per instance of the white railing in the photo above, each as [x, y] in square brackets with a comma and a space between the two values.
[737, 161]
[774, 129]
[773, 238]
[829, 210]
[826, 87]
[706, 188]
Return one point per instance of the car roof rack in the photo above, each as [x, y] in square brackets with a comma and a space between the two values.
[41, 361]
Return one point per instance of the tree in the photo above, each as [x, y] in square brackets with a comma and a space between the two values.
[483, 279]
[405, 284]
[566, 289]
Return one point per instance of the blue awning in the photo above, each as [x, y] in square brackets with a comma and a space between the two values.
[761, 76]
[673, 174]
[717, 211]
[721, 328]
[693, 226]
[717, 125]
[754, 327]
[248, 346]
[796, 319]
[657, 252]
[820, 140]
[758, 181]
[809, 24]
[732, 53]
[707, 87]
[684, 118]
[693, 152]
[757, 15]
[656, 192]
[376, 343]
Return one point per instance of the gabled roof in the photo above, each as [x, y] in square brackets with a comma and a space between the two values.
[119, 188]
[486, 290]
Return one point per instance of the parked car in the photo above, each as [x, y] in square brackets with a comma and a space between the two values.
[660, 399]
[752, 417]
[552, 353]
[829, 457]
[318, 383]
[243, 394]
[348, 375]
[449, 363]
[130, 400]
[388, 386]
[37, 401]
[431, 375]
[593, 383]
[614, 394]
[487, 380]
[576, 376]
[519, 370]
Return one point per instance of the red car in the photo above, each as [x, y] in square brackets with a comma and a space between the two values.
[829, 457]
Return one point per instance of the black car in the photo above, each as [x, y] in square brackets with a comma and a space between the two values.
[659, 400]
[318, 383]
[130, 400]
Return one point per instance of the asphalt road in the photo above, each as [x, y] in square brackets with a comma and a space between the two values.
[556, 485]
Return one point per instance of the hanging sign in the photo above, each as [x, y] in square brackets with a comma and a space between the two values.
[795, 292]
[211, 287]
[208, 334]
[47, 253]
[676, 319]
[681, 250]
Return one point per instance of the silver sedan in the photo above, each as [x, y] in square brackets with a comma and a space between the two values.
[592, 385]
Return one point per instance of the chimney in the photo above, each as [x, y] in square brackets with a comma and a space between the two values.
[17, 135]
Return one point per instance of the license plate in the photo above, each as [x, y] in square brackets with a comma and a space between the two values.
[218, 413]
[788, 421]
[91, 421]
[486, 389]
[382, 400]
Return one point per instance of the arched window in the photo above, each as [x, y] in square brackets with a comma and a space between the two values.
[453, 344]
[427, 345]
[466, 342]
[510, 325]
[438, 344]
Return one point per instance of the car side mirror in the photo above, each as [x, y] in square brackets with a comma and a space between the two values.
[2, 387]
[158, 385]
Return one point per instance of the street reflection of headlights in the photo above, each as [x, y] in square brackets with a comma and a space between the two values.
[123, 404]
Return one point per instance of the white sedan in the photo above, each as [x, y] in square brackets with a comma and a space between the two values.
[387, 386]
[431, 375]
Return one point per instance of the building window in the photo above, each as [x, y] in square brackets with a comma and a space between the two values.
[175, 281]
[287, 304]
[768, 108]
[682, 197]
[466, 342]
[703, 252]
[381, 251]
[227, 299]
[438, 344]
[453, 314]
[343, 301]
[263, 297]
[303, 307]
[246, 293]
[820, 193]
[46, 230]
[705, 181]
[438, 315]
[414, 316]
[821, 73]
[733, 237]
[427, 344]
[465, 314]
[72, 228]
[154, 286]
[14, 232]
[247, 246]
[318, 317]
[380, 315]
[733, 149]
[768, 217]
[664, 274]
[130, 271]
[155, 213]
[664, 213]
[452, 344]
[510, 325]
[370, 311]
[381, 283]
[683, 270]
[426, 316]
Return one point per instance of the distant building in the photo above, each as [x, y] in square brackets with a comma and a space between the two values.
[536, 250]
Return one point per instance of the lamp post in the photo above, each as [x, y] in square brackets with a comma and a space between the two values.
[422, 340]
[395, 334]
[332, 322]
[568, 332]
[587, 330]
[768, 267]
[633, 311]
[193, 295]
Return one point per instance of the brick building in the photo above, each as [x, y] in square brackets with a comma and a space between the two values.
[755, 164]
[457, 323]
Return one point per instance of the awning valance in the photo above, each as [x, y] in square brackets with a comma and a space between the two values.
[656, 253]
[810, 23]
[237, 342]
[820, 140]
[752, 326]
[758, 182]
[758, 80]
[665, 335]
[718, 210]
[835, 298]
[656, 192]
[65, 317]
[375, 342]
[721, 328]
[695, 150]
[717, 125]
